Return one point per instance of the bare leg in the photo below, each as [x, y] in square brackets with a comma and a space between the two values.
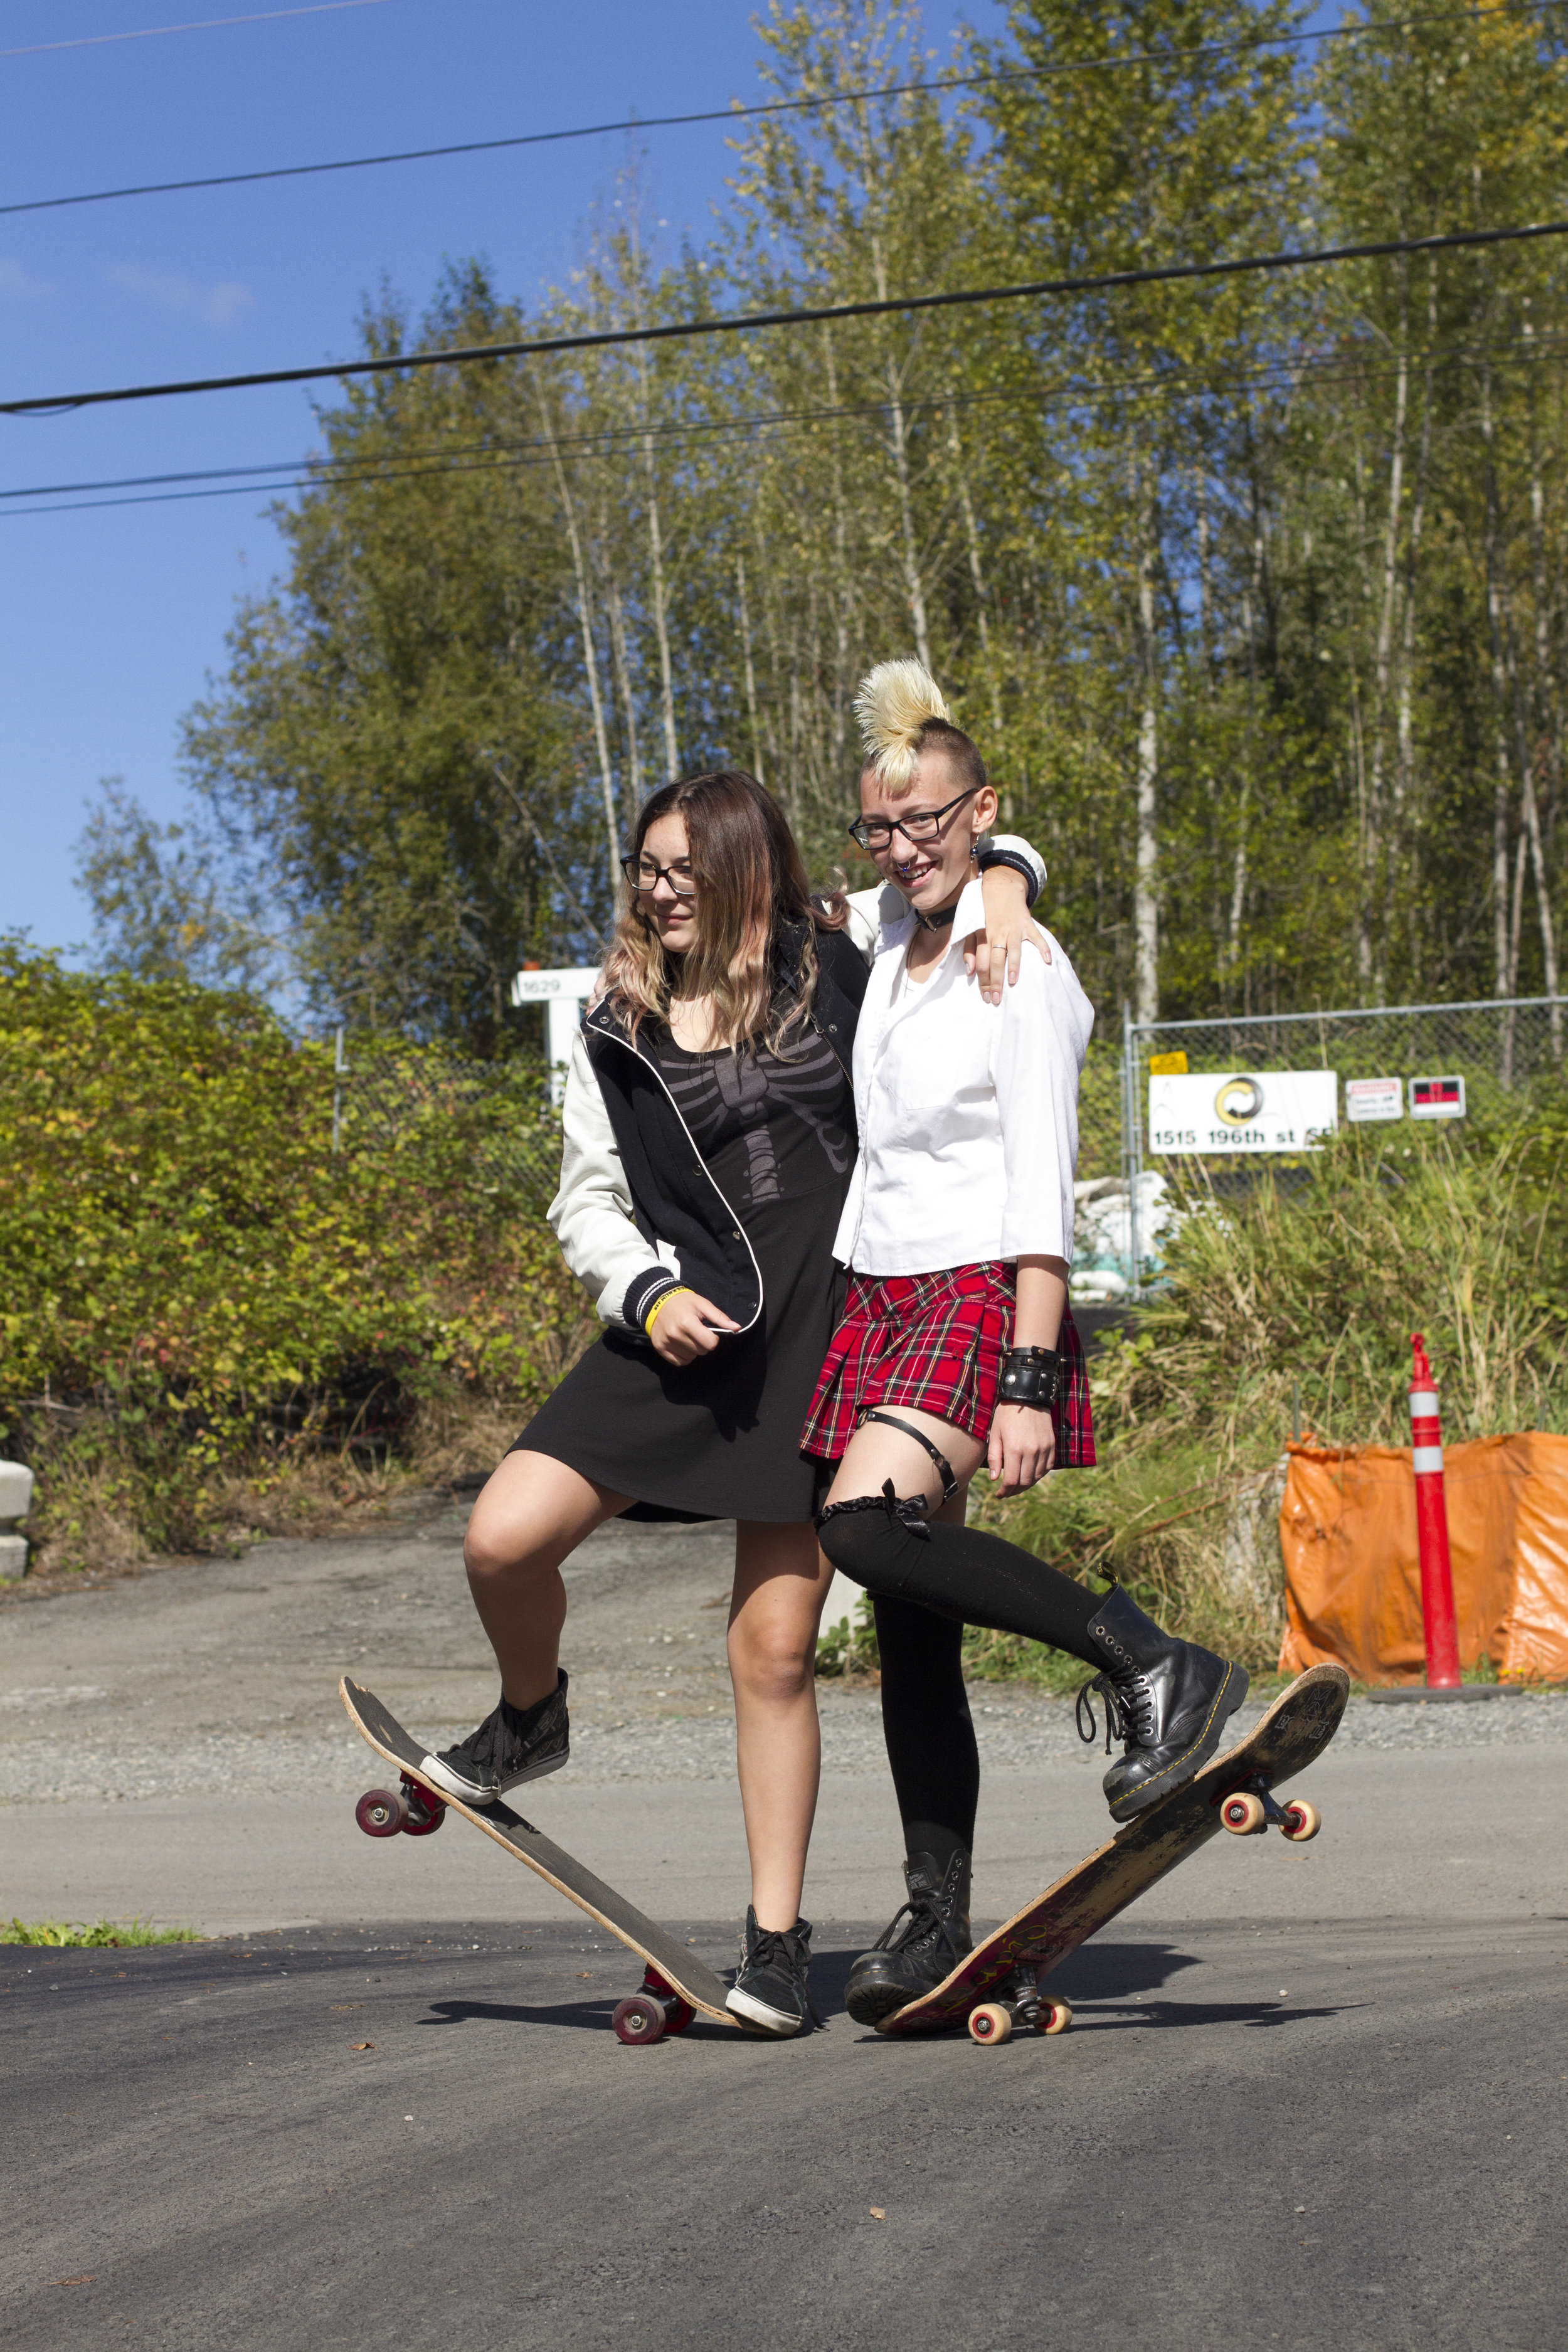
[781, 1584]
[877, 1452]
[530, 1517]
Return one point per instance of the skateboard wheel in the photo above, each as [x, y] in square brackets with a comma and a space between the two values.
[425, 1813]
[641, 2019]
[1302, 1821]
[991, 2022]
[1055, 2016]
[380, 1813]
[678, 2013]
[1243, 1814]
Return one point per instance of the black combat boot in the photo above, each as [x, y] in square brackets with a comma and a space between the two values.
[1167, 1700]
[923, 1942]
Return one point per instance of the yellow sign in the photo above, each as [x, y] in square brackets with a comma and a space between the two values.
[1167, 1066]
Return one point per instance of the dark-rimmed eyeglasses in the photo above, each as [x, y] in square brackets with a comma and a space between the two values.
[644, 875]
[876, 833]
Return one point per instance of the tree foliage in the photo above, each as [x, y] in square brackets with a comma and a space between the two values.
[1254, 590]
[192, 1280]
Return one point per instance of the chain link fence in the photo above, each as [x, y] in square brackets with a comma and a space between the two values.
[389, 1095]
[1510, 1053]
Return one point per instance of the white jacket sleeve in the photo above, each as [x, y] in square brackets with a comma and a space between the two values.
[1041, 1036]
[592, 1213]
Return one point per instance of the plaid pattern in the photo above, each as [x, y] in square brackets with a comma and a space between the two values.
[936, 1341]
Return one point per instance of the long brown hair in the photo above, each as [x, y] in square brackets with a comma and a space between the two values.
[751, 883]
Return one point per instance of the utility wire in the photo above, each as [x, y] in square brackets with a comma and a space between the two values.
[310, 470]
[749, 321]
[155, 32]
[773, 106]
[501, 456]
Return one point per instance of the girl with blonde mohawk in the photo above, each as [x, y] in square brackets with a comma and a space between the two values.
[956, 1346]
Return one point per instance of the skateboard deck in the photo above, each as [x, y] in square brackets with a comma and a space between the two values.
[1233, 1791]
[675, 1985]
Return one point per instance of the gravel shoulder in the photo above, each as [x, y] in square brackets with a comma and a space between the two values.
[197, 1678]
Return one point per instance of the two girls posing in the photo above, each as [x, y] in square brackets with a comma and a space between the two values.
[745, 1105]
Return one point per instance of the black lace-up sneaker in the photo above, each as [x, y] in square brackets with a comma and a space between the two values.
[1168, 1701]
[922, 1944]
[769, 1989]
[512, 1743]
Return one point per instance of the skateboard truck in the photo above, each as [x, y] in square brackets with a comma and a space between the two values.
[654, 2009]
[413, 1810]
[1249, 1809]
[1020, 2007]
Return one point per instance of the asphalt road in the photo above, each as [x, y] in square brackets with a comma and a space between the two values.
[1312, 2097]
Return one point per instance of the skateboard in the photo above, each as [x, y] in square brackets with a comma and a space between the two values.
[676, 1986]
[996, 1990]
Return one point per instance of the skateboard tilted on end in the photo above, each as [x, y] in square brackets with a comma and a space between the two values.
[676, 1988]
[995, 1990]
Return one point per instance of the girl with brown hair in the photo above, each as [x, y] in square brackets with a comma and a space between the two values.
[709, 1134]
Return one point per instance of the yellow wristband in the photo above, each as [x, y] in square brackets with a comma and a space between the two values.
[682, 1290]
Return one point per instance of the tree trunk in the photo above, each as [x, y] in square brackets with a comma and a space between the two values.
[914, 586]
[590, 651]
[655, 557]
[976, 571]
[1145, 892]
[1501, 793]
[750, 672]
[624, 687]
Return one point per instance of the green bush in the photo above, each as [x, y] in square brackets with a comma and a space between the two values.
[195, 1289]
[1301, 1295]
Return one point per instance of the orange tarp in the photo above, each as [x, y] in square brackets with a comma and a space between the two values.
[1352, 1579]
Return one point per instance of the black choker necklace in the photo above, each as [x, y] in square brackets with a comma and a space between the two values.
[937, 922]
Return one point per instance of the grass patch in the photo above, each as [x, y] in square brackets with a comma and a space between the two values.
[104, 1935]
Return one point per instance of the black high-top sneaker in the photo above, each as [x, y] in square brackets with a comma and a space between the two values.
[513, 1744]
[769, 1989]
[923, 1943]
[1167, 1700]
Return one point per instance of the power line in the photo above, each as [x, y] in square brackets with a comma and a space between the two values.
[750, 321]
[501, 456]
[155, 32]
[742, 113]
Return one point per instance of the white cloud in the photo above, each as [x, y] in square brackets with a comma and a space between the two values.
[14, 280]
[217, 305]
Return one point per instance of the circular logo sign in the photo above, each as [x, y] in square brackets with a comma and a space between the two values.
[1238, 1100]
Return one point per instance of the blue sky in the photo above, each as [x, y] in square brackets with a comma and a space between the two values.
[111, 622]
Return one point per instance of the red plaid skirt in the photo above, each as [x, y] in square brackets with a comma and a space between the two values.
[936, 1341]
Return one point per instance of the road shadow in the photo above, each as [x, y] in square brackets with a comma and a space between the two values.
[582, 2016]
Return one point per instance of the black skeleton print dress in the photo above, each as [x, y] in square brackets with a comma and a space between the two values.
[718, 1439]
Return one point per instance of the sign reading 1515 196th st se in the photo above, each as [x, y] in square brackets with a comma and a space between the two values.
[1252, 1110]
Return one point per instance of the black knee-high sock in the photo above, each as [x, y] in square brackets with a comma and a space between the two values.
[927, 1727]
[962, 1573]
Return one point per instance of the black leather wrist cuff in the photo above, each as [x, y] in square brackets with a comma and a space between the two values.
[1030, 1376]
[990, 857]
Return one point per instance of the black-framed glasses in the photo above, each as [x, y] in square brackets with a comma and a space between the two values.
[644, 875]
[876, 833]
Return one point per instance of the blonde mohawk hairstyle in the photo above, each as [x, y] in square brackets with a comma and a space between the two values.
[897, 702]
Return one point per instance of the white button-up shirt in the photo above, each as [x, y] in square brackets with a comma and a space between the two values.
[967, 1111]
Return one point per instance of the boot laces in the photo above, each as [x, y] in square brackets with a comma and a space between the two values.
[1129, 1709]
[482, 1748]
[928, 1924]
